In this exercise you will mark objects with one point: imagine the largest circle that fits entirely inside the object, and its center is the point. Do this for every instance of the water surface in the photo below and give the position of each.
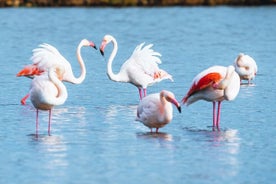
(94, 137)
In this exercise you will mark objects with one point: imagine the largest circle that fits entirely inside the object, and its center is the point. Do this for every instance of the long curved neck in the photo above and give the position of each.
(81, 78)
(225, 82)
(62, 91)
(111, 75)
(166, 112)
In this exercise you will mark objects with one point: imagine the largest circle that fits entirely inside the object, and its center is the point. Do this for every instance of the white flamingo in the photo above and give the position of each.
(47, 91)
(246, 67)
(47, 56)
(155, 110)
(141, 69)
(214, 84)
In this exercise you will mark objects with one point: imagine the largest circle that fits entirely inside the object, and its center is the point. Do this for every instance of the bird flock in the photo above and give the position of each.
(49, 69)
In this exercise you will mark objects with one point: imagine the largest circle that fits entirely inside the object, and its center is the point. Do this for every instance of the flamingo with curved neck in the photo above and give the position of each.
(155, 110)
(246, 67)
(47, 56)
(48, 91)
(141, 69)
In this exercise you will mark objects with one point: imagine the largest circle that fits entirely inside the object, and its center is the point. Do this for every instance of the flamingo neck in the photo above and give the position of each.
(111, 75)
(225, 82)
(62, 91)
(81, 78)
(165, 108)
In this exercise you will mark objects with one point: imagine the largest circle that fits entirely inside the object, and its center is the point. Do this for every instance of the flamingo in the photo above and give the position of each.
(214, 84)
(246, 67)
(141, 69)
(47, 91)
(156, 111)
(46, 56)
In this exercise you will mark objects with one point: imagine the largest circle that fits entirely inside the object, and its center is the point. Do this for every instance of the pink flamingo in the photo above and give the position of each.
(155, 110)
(141, 69)
(46, 91)
(246, 67)
(47, 56)
(214, 84)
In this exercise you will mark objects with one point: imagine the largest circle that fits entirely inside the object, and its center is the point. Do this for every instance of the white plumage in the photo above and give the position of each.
(155, 110)
(141, 68)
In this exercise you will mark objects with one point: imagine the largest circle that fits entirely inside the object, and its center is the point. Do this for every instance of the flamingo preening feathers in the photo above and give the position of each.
(155, 110)
(46, 56)
(246, 67)
(214, 84)
(141, 69)
(47, 91)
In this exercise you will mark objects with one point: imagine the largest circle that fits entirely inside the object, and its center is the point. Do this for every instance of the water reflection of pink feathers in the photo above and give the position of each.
(46, 56)
(141, 69)
(155, 110)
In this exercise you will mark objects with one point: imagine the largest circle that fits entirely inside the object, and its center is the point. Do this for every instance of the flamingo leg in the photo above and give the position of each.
(49, 123)
(145, 91)
(23, 100)
(140, 93)
(214, 115)
(36, 125)
(218, 115)
(157, 130)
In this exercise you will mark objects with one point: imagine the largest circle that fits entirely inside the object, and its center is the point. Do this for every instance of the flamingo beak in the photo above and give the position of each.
(93, 45)
(179, 109)
(102, 52)
(102, 47)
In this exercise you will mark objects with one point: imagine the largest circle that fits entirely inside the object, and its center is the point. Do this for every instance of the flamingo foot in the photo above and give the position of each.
(23, 100)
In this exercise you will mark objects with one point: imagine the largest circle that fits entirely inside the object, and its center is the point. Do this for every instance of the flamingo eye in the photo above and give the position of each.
(247, 68)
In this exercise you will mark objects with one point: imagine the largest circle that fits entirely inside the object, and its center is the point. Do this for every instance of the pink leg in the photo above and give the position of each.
(49, 123)
(36, 125)
(145, 92)
(23, 100)
(218, 114)
(140, 93)
(214, 115)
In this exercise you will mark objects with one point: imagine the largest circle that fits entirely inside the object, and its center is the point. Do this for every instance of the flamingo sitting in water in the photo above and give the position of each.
(141, 69)
(155, 110)
(246, 67)
(214, 84)
(47, 56)
(46, 91)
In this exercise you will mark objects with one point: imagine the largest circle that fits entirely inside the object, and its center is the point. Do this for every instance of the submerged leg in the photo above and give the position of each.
(49, 123)
(214, 115)
(23, 100)
(157, 130)
(218, 114)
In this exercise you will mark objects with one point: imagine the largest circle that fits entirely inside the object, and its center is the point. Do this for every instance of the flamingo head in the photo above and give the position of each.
(106, 40)
(88, 43)
(169, 96)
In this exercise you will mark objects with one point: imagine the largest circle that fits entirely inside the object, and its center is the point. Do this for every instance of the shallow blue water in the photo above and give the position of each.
(94, 136)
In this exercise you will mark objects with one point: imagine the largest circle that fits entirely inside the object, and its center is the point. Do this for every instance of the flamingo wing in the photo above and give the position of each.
(202, 82)
(146, 59)
(43, 58)
(148, 109)
(46, 56)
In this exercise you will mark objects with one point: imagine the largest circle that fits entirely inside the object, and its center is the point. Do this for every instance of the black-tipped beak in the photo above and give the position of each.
(102, 52)
(179, 109)
(95, 47)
